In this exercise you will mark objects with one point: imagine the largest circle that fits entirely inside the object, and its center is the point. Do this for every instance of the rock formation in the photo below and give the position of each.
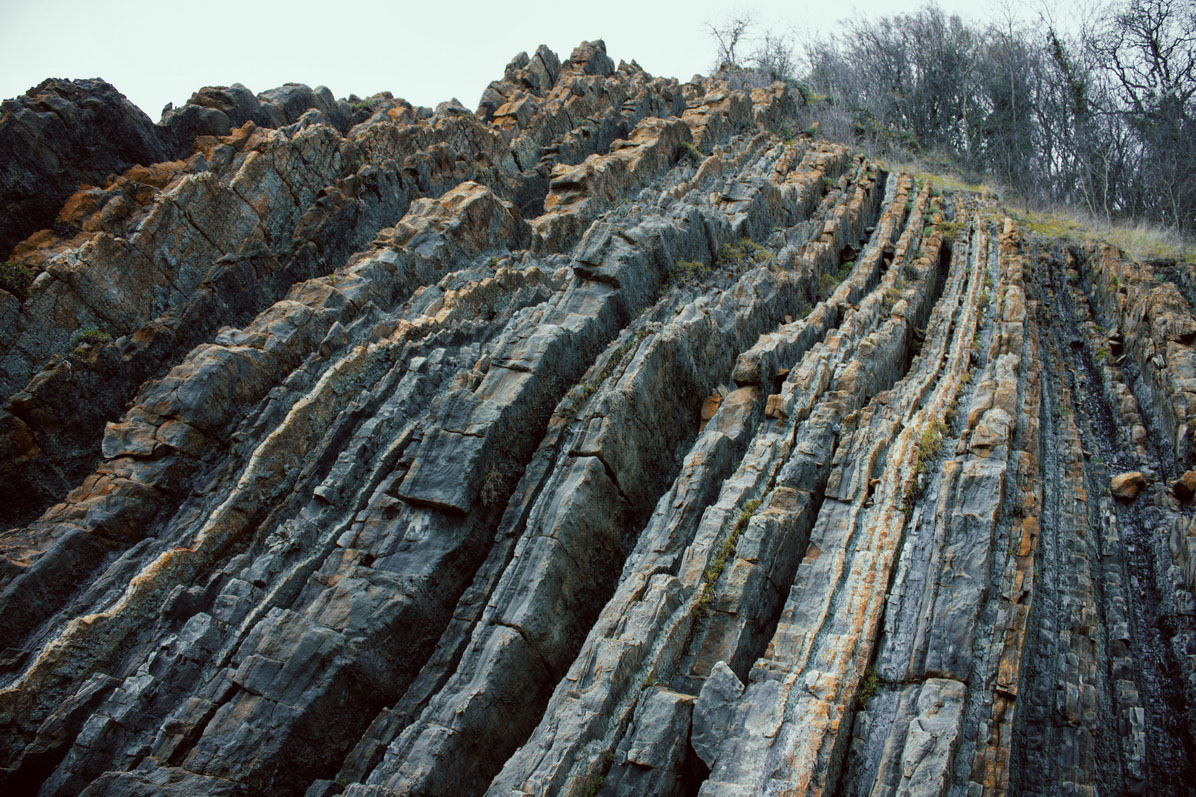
(611, 439)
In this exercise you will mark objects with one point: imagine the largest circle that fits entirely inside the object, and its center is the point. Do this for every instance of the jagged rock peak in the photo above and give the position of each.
(64, 133)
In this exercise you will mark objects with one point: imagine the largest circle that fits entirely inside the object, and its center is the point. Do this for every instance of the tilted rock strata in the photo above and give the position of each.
(62, 133)
(301, 200)
(607, 440)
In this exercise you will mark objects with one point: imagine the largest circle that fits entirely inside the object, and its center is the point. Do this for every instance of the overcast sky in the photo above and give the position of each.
(160, 51)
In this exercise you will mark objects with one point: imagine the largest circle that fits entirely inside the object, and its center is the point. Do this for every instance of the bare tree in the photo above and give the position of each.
(1151, 49)
(729, 35)
(1104, 118)
(774, 58)
(767, 63)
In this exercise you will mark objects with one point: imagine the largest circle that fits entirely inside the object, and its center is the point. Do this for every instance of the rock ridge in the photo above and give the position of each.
(613, 438)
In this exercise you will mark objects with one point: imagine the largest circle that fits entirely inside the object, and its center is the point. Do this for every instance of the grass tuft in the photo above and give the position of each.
(929, 445)
(88, 336)
(723, 555)
(16, 279)
(868, 686)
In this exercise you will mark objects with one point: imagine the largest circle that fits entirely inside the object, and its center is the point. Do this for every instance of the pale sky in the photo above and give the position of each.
(159, 51)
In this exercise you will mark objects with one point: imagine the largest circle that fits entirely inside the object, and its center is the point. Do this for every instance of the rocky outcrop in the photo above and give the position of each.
(60, 134)
(603, 441)
(64, 135)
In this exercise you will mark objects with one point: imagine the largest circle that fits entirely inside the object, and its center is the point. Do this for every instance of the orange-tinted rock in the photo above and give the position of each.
(775, 407)
(710, 406)
(1126, 486)
(1185, 486)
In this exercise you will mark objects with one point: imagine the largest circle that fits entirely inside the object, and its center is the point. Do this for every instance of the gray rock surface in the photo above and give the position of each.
(713, 712)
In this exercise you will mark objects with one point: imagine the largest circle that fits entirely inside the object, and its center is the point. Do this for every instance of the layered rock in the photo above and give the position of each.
(605, 441)
(62, 135)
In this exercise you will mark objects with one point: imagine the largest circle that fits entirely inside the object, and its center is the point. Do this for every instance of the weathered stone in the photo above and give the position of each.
(775, 407)
(931, 739)
(1126, 486)
(59, 134)
(714, 711)
(661, 729)
(1185, 486)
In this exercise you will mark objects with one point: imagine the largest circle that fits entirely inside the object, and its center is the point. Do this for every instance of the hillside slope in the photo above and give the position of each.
(607, 440)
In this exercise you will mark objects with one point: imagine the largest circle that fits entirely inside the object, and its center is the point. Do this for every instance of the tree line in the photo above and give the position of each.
(1102, 117)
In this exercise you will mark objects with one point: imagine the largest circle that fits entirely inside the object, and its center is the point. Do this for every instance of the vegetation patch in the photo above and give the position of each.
(734, 257)
(929, 445)
(947, 182)
(1139, 241)
(950, 230)
(88, 336)
(687, 148)
(724, 553)
(689, 272)
(16, 279)
(787, 131)
(743, 253)
(828, 281)
(826, 284)
(868, 686)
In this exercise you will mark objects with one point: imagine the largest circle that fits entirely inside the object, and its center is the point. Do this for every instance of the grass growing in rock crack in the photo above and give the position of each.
(492, 491)
(892, 296)
(868, 686)
(689, 272)
(743, 253)
(929, 445)
(89, 335)
(982, 302)
(595, 783)
(828, 281)
(826, 284)
(590, 387)
(734, 257)
(950, 230)
(725, 551)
